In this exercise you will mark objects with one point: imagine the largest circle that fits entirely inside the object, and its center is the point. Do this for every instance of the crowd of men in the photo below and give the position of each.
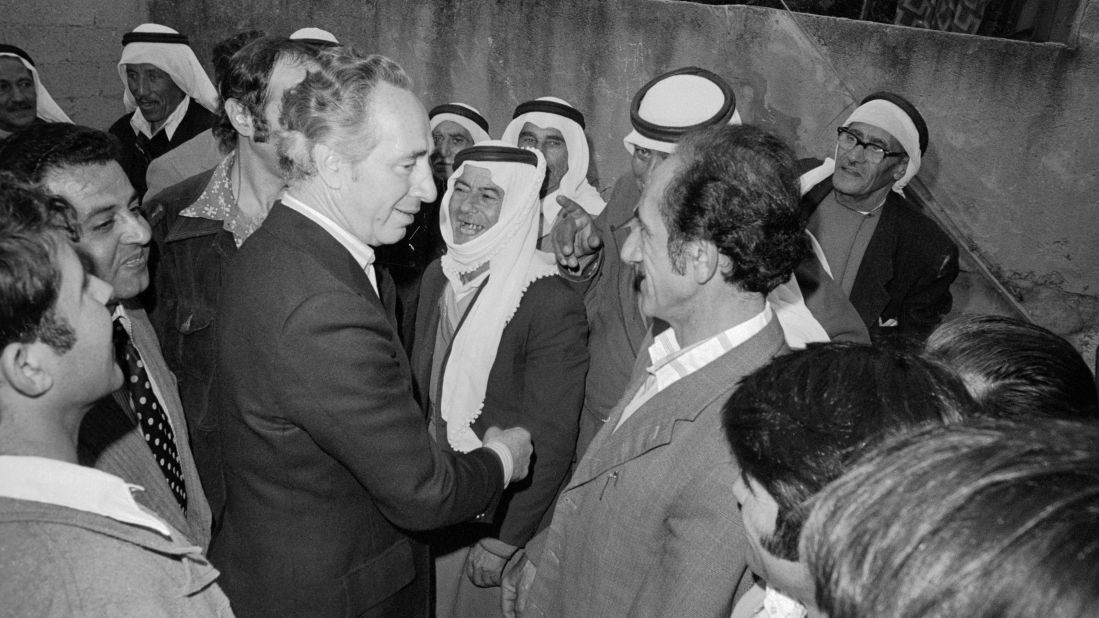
(285, 342)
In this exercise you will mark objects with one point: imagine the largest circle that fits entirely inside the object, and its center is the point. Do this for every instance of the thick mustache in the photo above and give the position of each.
(638, 277)
(19, 106)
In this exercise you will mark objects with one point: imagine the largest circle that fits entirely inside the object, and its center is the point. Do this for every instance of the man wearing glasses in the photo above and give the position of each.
(894, 263)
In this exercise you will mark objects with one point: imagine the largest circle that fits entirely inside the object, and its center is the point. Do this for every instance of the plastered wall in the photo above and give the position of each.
(75, 45)
(1011, 170)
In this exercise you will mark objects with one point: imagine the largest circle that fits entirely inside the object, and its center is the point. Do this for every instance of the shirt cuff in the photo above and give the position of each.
(505, 458)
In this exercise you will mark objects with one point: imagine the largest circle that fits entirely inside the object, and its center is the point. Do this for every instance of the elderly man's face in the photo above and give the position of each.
(114, 236)
(156, 94)
(475, 204)
(18, 98)
(89, 367)
(553, 147)
(663, 291)
(384, 190)
(858, 178)
(450, 138)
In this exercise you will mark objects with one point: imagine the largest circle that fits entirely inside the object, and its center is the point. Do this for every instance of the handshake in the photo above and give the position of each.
(517, 441)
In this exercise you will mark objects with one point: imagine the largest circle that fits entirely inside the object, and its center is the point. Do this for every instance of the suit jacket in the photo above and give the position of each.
(618, 329)
(648, 525)
(905, 274)
(137, 151)
(192, 256)
(327, 456)
(110, 440)
(536, 381)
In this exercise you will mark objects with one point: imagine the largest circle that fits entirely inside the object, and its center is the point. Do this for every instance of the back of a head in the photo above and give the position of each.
(1016, 369)
(799, 422)
(333, 106)
(246, 77)
(29, 277)
(223, 50)
(42, 148)
(738, 187)
(988, 518)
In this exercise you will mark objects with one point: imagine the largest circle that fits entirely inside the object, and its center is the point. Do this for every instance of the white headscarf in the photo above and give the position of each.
(178, 60)
(574, 184)
(48, 109)
(475, 131)
(509, 247)
(892, 119)
(316, 35)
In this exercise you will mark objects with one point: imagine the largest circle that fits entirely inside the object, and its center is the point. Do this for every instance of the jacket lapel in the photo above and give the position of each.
(869, 294)
(652, 424)
(296, 230)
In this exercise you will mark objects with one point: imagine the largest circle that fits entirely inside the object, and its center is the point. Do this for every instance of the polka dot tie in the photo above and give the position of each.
(150, 414)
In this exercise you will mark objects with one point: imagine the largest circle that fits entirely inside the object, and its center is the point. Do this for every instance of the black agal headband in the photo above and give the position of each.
(550, 107)
(496, 154)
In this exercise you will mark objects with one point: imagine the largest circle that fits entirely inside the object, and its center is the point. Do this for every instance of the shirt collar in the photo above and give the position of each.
(216, 203)
(670, 362)
(140, 125)
(49, 481)
(362, 252)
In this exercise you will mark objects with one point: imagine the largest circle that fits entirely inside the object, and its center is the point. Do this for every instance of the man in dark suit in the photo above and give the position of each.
(894, 263)
(648, 525)
(327, 456)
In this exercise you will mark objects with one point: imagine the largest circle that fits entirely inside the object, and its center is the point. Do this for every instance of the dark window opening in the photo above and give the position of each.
(1023, 20)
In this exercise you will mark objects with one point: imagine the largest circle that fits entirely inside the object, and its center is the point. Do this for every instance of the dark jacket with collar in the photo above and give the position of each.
(536, 382)
(138, 152)
(902, 288)
(192, 255)
(327, 456)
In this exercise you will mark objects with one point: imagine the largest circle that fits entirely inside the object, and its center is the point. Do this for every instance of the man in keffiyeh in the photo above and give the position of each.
(168, 96)
(894, 263)
(556, 128)
(23, 98)
(500, 340)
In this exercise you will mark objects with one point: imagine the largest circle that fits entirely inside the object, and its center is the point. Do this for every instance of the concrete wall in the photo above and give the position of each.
(1011, 168)
(75, 45)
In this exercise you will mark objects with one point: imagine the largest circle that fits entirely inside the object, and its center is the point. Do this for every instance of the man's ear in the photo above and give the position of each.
(25, 367)
(703, 260)
(331, 167)
(240, 118)
(901, 169)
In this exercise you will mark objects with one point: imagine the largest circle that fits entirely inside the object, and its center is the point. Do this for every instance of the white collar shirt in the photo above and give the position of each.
(140, 125)
(670, 363)
(50, 481)
(362, 253)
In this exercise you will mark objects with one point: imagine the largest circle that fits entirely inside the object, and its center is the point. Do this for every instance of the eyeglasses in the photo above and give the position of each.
(848, 139)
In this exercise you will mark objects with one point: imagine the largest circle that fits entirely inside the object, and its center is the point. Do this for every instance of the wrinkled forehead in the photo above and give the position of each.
(875, 134)
(11, 66)
(451, 129)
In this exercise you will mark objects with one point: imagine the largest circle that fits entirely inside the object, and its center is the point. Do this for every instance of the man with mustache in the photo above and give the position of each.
(894, 263)
(23, 98)
(169, 99)
(648, 525)
(138, 432)
(75, 540)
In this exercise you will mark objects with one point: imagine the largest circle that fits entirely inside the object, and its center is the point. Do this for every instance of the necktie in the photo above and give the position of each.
(151, 418)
